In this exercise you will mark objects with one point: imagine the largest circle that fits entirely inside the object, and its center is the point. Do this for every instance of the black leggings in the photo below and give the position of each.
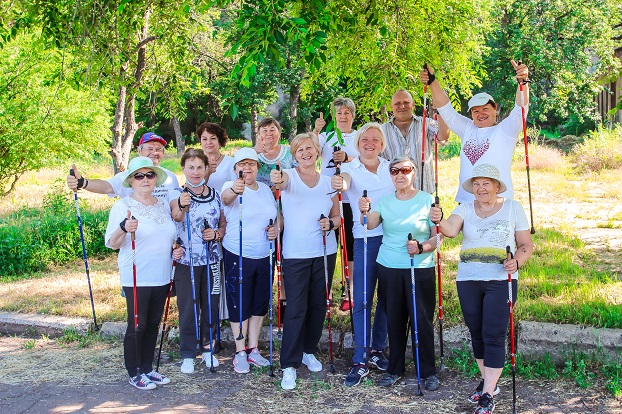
(487, 314)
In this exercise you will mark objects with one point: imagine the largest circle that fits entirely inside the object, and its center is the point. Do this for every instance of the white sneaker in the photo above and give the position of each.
(205, 358)
(311, 362)
(187, 367)
(289, 378)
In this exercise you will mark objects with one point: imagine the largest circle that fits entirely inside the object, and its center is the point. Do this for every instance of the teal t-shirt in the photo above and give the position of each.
(400, 217)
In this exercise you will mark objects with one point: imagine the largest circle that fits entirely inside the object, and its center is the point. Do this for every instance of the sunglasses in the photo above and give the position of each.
(141, 176)
(403, 170)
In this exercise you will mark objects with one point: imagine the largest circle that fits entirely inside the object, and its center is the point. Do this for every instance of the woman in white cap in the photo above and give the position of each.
(149, 218)
(203, 205)
(488, 225)
(256, 209)
(484, 141)
(310, 210)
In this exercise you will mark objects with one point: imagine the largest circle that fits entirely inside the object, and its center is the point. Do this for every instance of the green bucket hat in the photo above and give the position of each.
(144, 162)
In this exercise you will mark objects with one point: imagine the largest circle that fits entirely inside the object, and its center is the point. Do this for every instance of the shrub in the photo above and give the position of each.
(542, 157)
(451, 148)
(601, 150)
(33, 239)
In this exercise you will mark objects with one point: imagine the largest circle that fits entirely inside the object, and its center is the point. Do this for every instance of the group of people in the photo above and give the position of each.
(221, 225)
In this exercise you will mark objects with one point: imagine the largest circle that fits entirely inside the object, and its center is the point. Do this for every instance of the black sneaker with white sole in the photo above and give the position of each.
(476, 395)
(378, 360)
(357, 373)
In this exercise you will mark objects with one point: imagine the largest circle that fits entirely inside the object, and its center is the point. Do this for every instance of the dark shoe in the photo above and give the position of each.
(432, 383)
(357, 373)
(474, 398)
(486, 405)
(387, 380)
(378, 360)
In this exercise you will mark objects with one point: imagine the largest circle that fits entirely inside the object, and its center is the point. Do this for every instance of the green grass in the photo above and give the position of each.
(581, 368)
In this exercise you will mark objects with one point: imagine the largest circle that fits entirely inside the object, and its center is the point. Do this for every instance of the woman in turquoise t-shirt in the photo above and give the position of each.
(406, 211)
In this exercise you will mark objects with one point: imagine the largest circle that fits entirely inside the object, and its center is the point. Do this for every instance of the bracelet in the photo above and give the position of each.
(517, 266)
(179, 204)
(331, 225)
(86, 183)
(122, 225)
(346, 159)
(216, 235)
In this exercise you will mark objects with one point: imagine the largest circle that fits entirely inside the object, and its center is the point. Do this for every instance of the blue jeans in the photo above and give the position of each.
(378, 335)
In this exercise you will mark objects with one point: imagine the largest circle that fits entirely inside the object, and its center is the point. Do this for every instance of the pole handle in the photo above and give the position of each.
(508, 251)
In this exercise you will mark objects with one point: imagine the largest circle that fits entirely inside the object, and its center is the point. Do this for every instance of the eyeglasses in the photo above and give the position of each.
(141, 176)
(247, 164)
(403, 170)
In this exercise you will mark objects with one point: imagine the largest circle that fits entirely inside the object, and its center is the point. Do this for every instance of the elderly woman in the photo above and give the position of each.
(213, 139)
(488, 225)
(148, 219)
(270, 151)
(252, 203)
(405, 211)
(367, 172)
(484, 141)
(202, 205)
(344, 118)
(307, 195)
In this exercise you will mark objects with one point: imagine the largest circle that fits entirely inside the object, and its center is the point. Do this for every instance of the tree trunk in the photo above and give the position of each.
(124, 127)
(117, 127)
(179, 138)
(294, 98)
(308, 125)
(254, 124)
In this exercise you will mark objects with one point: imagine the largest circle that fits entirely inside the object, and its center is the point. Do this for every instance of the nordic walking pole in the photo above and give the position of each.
(279, 209)
(415, 325)
(133, 238)
(438, 256)
(209, 300)
(168, 302)
(365, 282)
(508, 250)
(194, 293)
(423, 129)
(328, 317)
(344, 255)
(240, 336)
(526, 142)
(271, 371)
(84, 257)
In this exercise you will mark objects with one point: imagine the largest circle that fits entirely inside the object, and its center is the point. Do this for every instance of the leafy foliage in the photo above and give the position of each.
(43, 120)
(567, 44)
(33, 239)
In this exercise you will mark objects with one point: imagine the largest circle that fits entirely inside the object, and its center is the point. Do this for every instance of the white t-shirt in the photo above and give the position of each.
(154, 242)
(483, 247)
(224, 172)
(492, 145)
(377, 186)
(208, 209)
(327, 144)
(258, 207)
(302, 208)
(161, 191)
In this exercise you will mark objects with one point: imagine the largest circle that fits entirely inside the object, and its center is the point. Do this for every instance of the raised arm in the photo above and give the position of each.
(522, 76)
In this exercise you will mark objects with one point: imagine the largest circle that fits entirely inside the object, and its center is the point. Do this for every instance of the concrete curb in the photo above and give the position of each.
(535, 339)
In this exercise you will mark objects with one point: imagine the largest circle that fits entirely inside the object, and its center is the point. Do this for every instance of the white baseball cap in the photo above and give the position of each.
(245, 153)
(479, 99)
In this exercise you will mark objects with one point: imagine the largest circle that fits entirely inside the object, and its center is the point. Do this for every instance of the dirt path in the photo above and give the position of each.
(65, 379)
